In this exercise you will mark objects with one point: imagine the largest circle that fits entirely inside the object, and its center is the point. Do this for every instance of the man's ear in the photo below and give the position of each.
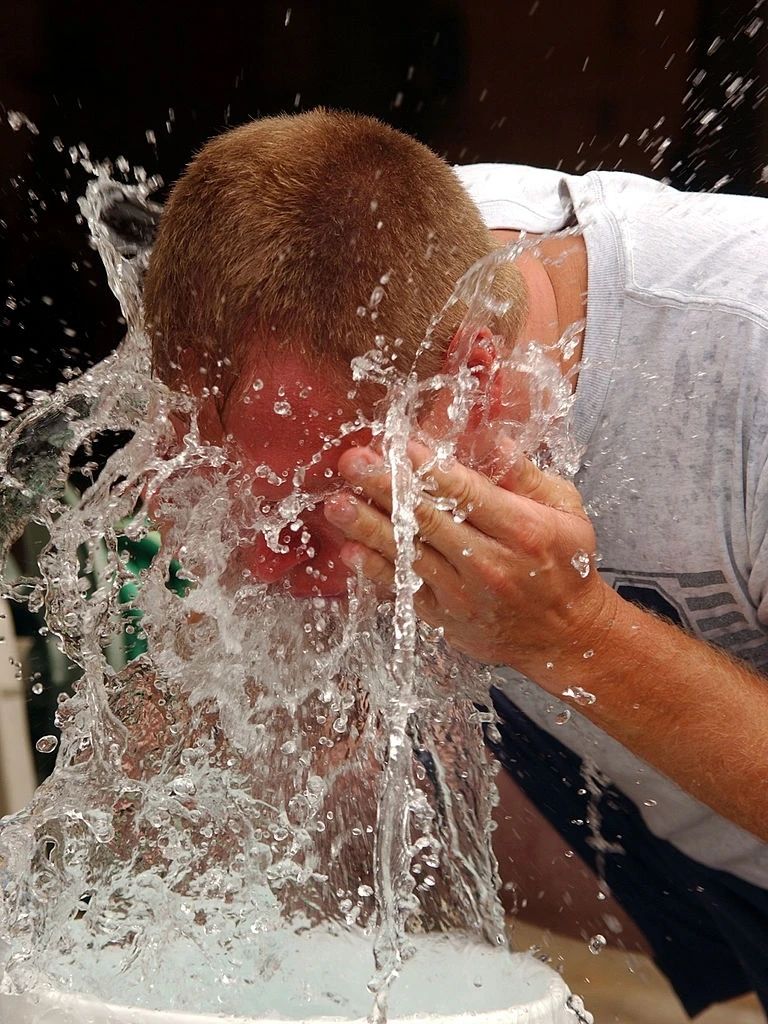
(471, 350)
(479, 353)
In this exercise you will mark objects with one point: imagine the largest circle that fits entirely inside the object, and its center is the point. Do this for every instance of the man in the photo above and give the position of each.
(296, 244)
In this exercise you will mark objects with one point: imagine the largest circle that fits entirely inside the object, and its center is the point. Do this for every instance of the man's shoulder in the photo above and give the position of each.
(661, 245)
(676, 248)
(692, 248)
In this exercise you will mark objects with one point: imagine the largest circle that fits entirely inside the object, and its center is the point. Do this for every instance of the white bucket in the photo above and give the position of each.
(540, 997)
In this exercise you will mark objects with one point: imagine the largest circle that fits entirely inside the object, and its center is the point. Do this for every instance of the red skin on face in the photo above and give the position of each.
(261, 436)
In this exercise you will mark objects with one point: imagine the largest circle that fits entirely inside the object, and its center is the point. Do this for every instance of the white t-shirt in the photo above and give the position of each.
(672, 408)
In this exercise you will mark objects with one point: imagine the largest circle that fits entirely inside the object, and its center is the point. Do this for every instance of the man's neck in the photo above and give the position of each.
(556, 279)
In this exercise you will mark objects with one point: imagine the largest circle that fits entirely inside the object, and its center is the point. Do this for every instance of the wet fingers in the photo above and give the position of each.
(370, 563)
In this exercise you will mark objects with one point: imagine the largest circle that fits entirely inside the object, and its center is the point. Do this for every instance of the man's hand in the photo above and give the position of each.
(505, 583)
(508, 573)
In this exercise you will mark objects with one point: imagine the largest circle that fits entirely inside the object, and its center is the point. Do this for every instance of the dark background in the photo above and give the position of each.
(676, 92)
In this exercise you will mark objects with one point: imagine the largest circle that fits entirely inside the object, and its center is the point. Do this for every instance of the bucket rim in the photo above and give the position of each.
(550, 1008)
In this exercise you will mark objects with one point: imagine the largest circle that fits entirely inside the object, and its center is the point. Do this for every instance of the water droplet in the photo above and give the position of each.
(17, 121)
(563, 718)
(37, 688)
(364, 890)
(650, 803)
(581, 563)
(282, 408)
(754, 26)
(597, 944)
(588, 654)
(183, 786)
(580, 695)
(46, 744)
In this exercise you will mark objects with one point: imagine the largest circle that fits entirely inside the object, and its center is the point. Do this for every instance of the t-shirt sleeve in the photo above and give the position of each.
(517, 197)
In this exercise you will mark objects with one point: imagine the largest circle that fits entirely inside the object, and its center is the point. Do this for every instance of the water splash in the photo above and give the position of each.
(267, 768)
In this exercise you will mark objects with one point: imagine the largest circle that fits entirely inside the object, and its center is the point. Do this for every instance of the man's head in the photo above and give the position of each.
(292, 245)
(280, 233)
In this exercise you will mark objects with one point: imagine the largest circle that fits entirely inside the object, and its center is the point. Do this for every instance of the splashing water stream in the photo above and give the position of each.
(269, 769)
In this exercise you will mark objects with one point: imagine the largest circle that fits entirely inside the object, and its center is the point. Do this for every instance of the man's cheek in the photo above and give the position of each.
(326, 539)
(269, 566)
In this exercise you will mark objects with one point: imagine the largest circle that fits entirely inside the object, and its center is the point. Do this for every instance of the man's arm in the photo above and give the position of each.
(686, 708)
(514, 584)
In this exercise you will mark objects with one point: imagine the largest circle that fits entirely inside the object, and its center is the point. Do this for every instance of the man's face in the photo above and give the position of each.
(287, 417)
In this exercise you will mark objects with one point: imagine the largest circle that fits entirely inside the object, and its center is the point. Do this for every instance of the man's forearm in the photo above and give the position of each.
(684, 707)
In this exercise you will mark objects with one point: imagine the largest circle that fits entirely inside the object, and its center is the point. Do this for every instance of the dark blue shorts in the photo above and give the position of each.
(708, 929)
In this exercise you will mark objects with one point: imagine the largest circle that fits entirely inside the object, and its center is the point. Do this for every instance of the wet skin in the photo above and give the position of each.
(287, 443)
(509, 563)
(501, 583)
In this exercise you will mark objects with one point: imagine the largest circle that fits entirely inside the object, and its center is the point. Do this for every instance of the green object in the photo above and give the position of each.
(141, 554)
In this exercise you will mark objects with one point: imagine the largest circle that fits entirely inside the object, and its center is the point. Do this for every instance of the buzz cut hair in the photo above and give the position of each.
(278, 235)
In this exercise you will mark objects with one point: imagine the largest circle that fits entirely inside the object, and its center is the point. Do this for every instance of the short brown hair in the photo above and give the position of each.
(279, 232)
